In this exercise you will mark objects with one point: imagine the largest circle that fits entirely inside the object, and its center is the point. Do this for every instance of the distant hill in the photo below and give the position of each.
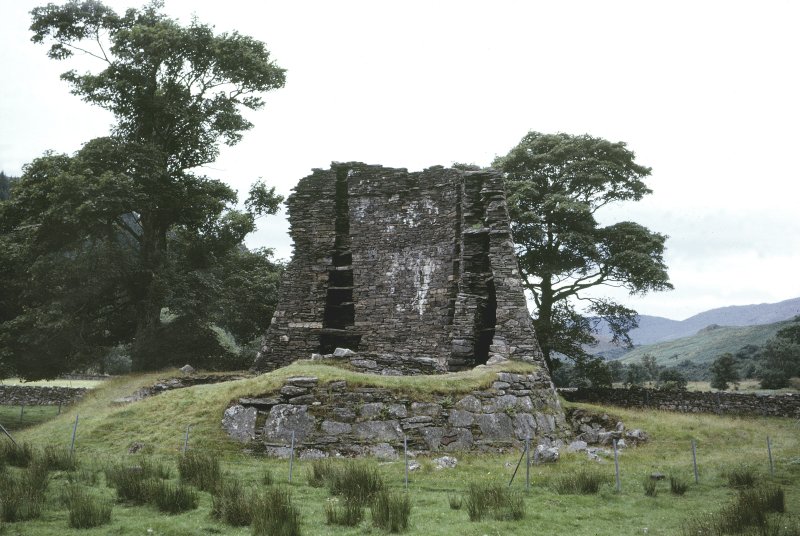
(655, 329)
(705, 345)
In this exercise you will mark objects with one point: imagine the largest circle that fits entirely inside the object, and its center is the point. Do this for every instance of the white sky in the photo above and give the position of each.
(706, 93)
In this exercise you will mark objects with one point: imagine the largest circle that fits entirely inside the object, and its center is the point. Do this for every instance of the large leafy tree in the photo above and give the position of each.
(176, 93)
(555, 184)
(780, 357)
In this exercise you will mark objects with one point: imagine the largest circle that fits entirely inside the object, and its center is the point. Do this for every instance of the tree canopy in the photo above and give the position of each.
(100, 243)
(555, 185)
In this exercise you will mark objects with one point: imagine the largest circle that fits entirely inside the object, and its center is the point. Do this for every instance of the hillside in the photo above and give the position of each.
(705, 345)
(656, 329)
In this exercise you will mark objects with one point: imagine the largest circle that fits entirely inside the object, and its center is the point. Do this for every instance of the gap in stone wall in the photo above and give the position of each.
(339, 317)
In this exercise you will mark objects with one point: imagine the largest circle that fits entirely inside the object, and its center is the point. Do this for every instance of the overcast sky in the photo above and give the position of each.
(706, 93)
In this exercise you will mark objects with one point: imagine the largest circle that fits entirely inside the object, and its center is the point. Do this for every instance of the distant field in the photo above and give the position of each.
(16, 418)
(86, 384)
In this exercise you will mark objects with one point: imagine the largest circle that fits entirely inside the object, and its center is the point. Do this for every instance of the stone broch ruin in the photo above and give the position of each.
(415, 271)
(400, 274)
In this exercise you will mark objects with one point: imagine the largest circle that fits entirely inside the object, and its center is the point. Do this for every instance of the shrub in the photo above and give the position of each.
(390, 511)
(583, 482)
(677, 486)
(171, 498)
(201, 470)
(650, 487)
(356, 482)
(321, 473)
(348, 514)
(275, 515)
(16, 455)
(231, 504)
(456, 501)
(742, 477)
(493, 500)
(85, 510)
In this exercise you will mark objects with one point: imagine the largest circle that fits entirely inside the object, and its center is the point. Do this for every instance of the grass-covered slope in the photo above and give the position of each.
(160, 421)
(706, 345)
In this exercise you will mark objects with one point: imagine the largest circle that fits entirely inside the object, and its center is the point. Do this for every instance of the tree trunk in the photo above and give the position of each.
(151, 293)
(544, 324)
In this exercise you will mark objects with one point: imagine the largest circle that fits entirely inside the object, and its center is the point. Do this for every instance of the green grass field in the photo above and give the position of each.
(105, 432)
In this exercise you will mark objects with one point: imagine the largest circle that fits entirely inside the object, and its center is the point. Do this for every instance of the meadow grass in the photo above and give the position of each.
(106, 430)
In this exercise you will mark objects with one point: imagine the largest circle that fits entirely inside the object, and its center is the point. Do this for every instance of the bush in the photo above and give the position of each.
(677, 486)
(171, 498)
(390, 511)
(742, 477)
(348, 514)
(275, 515)
(356, 482)
(583, 482)
(231, 504)
(201, 470)
(85, 510)
(650, 487)
(493, 500)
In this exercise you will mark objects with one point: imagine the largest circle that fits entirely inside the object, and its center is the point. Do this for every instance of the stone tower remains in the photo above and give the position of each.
(415, 272)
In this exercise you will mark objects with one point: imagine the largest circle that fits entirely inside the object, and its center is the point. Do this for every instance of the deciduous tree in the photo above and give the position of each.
(555, 184)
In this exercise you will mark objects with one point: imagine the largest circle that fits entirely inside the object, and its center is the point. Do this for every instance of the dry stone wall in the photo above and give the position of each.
(401, 266)
(779, 405)
(338, 419)
(23, 395)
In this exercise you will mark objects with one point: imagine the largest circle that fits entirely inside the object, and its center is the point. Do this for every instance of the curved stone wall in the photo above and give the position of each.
(336, 418)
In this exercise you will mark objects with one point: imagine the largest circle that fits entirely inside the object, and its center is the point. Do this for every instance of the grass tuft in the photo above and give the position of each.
(356, 482)
(16, 455)
(231, 504)
(85, 510)
(346, 514)
(130, 483)
(58, 459)
(455, 501)
(743, 476)
(390, 511)
(22, 497)
(495, 501)
(171, 498)
(275, 515)
(650, 487)
(581, 482)
(200, 469)
(677, 486)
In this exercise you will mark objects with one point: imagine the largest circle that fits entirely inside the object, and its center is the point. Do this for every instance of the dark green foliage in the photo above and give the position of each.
(275, 515)
(171, 498)
(356, 482)
(5, 186)
(346, 514)
(677, 486)
(493, 500)
(390, 511)
(232, 504)
(581, 482)
(555, 184)
(85, 509)
(650, 487)
(93, 247)
(22, 496)
(742, 477)
(200, 469)
(780, 357)
(19, 455)
(746, 515)
(670, 379)
(724, 372)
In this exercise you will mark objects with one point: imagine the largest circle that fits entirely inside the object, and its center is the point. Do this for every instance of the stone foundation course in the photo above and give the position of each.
(339, 419)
